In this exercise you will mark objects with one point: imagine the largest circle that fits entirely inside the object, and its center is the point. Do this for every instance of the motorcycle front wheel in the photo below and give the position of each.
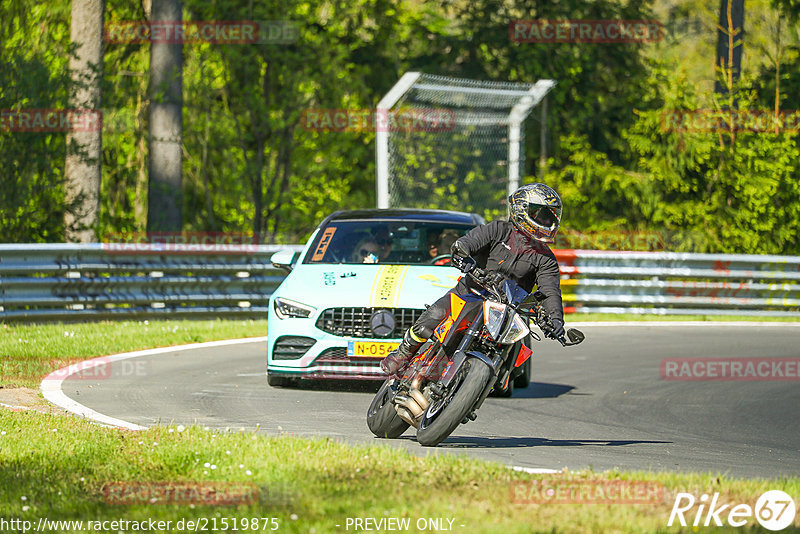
(444, 415)
(382, 419)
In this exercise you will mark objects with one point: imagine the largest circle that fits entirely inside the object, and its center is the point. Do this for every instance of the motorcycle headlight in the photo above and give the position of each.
(517, 329)
(285, 308)
(493, 313)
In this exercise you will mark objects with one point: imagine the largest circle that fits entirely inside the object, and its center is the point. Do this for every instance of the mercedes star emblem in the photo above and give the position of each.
(382, 323)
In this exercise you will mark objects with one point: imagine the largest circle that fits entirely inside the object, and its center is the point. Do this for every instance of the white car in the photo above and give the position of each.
(362, 279)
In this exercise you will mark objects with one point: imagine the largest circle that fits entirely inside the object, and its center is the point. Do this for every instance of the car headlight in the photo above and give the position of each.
(285, 308)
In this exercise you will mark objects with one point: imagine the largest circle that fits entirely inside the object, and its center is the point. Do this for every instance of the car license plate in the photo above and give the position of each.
(370, 349)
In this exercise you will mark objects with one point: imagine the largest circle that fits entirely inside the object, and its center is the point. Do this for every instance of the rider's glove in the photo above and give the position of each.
(464, 264)
(558, 329)
(496, 278)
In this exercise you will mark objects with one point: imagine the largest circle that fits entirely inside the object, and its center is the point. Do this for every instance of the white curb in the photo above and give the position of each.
(535, 470)
(51, 385)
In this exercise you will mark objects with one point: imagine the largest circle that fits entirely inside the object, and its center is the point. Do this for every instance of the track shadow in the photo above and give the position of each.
(542, 390)
(536, 390)
(474, 442)
(349, 386)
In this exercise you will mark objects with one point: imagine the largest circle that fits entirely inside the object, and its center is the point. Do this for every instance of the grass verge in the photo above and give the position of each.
(618, 317)
(58, 467)
(29, 352)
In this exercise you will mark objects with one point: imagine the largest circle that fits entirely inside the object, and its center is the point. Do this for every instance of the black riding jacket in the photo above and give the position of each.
(499, 246)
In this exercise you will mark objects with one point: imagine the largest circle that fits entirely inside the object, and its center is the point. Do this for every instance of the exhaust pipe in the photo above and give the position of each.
(409, 409)
(409, 404)
(420, 398)
(406, 416)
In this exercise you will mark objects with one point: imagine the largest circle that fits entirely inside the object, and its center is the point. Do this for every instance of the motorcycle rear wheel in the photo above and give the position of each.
(443, 416)
(382, 419)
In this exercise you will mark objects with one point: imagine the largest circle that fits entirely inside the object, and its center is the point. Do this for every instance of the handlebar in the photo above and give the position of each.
(489, 280)
(543, 321)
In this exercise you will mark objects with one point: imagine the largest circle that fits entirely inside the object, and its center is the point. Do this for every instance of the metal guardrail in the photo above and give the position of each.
(668, 283)
(94, 281)
(102, 280)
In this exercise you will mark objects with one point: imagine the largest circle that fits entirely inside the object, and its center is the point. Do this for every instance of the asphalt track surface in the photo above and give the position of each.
(602, 404)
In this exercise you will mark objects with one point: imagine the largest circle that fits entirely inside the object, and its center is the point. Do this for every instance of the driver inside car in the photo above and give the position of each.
(517, 249)
(366, 250)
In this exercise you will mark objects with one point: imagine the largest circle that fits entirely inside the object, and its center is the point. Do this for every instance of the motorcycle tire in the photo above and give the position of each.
(438, 421)
(524, 379)
(382, 419)
(503, 393)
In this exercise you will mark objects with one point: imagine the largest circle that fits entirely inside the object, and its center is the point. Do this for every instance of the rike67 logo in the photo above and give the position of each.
(774, 510)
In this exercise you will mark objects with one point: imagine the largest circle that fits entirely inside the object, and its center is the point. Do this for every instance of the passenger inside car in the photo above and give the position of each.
(439, 245)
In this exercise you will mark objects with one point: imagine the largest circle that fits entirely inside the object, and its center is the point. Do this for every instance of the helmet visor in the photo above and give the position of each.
(545, 216)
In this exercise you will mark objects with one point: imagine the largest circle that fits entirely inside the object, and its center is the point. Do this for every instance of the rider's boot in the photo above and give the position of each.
(398, 359)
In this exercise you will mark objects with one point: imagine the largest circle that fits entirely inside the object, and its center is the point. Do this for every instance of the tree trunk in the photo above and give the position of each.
(730, 40)
(82, 165)
(165, 198)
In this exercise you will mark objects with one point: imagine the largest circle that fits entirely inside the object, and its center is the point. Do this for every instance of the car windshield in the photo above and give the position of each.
(385, 242)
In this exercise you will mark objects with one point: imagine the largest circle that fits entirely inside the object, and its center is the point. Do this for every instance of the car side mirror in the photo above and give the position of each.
(283, 259)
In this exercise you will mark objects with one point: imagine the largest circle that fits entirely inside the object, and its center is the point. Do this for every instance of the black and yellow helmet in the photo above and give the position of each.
(535, 209)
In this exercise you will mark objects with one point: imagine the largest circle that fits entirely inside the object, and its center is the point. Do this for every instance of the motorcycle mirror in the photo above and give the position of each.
(575, 336)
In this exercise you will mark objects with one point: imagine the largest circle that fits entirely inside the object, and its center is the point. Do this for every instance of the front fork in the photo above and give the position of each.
(461, 355)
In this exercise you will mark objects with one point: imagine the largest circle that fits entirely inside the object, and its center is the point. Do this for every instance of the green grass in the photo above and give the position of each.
(580, 317)
(56, 466)
(59, 465)
(29, 352)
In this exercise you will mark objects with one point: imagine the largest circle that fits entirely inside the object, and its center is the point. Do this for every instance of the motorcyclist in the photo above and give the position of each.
(516, 248)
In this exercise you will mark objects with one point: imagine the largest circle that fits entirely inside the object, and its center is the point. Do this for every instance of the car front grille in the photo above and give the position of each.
(355, 322)
(335, 361)
(291, 347)
(333, 355)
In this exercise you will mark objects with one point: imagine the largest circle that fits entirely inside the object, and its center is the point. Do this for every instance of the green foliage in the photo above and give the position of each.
(252, 165)
(791, 8)
(598, 84)
(700, 188)
(720, 189)
(34, 47)
(284, 175)
(123, 208)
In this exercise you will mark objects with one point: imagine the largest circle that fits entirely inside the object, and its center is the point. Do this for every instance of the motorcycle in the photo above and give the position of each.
(476, 348)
